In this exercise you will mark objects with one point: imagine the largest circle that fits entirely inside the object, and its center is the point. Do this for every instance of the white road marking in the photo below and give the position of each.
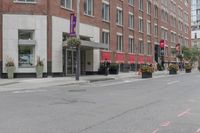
(165, 124)
(127, 81)
(155, 131)
(198, 130)
(27, 91)
(173, 82)
(184, 113)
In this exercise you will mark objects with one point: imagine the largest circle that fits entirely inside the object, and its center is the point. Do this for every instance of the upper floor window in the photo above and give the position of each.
(131, 20)
(156, 11)
(148, 28)
(149, 48)
(131, 2)
(141, 5)
(140, 25)
(119, 18)
(105, 11)
(156, 30)
(149, 7)
(119, 43)
(105, 37)
(130, 45)
(88, 7)
(141, 47)
(26, 1)
(66, 3)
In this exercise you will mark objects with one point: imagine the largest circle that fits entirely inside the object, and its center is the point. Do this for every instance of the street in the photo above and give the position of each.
(168, 104)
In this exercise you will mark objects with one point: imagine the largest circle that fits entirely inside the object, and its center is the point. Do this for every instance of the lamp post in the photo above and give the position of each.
(78, 47)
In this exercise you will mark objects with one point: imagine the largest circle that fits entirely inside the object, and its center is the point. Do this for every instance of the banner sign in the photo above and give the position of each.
(72, 25)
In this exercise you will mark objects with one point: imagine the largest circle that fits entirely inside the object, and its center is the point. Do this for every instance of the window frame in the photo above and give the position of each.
(87, 9)
(105, 15)
(119, 42)
(25, 1)
(119, 16)
(65, 6)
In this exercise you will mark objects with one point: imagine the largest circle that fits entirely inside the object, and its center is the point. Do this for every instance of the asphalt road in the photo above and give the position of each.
(159, 105)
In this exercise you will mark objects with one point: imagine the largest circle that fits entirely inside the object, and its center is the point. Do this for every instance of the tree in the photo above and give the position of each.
(191, 54)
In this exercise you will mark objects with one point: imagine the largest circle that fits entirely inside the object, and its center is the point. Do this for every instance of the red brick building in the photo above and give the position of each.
(126, 32)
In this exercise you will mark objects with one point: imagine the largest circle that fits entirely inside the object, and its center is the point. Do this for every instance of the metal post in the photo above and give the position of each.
(78, 47)
(136, 65)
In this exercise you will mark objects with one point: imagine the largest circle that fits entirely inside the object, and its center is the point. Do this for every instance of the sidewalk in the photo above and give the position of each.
(34, 83)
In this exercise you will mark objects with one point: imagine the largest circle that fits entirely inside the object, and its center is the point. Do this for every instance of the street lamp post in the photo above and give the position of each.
(78, 47)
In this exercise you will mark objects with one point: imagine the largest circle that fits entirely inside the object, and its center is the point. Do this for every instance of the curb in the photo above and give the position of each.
(102, 79)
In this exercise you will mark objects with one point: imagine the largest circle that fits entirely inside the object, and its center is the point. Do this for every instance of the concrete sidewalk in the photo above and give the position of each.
(34, 83)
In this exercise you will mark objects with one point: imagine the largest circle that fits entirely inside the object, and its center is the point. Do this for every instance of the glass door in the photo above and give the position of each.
(71, 62)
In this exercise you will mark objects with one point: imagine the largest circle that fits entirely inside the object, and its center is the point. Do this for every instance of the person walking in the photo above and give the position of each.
(106, 67)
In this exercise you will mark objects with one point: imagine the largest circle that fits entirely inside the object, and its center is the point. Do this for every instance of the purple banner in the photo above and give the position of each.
(72, 25)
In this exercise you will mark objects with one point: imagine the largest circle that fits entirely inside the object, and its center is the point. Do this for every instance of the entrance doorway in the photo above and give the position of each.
(70, 62)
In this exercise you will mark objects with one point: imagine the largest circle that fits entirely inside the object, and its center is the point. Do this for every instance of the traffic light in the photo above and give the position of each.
(162, 45)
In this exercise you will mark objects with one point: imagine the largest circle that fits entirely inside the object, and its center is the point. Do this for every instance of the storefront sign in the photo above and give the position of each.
(72, 25)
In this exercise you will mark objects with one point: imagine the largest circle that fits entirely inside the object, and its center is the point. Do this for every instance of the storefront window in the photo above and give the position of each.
(26, 34)
(26, 56)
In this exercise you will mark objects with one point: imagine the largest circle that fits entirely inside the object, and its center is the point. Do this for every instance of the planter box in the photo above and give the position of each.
(10, 72)
(39, 71)
(188, 70)
(172, 72)
(146, 75)
(113, 71)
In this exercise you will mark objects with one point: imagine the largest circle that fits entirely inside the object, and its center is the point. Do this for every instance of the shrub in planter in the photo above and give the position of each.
(73, 42)
(10, 68)
(173, 68)
(114, 69)
(147, 71)
(101, 70)
(39, 68)
(159, 67)
(188, 68)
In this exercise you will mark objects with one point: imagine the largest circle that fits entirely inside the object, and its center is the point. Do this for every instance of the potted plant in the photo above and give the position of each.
(173, 68)
(188, 68)
(146, 71)
(10, 67)
(199, 68)
(73, 42)
(39, 68)
(114, 69)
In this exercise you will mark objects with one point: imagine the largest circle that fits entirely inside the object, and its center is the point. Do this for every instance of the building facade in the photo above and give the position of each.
(126, 32)
(195, 23)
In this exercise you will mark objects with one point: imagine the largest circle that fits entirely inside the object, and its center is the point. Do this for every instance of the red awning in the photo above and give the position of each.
(149, 59)
(105, 55)
(119, 57)
(131, 58)
(141, 59)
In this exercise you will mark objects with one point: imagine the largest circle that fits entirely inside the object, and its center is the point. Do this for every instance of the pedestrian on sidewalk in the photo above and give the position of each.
(106, 66)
